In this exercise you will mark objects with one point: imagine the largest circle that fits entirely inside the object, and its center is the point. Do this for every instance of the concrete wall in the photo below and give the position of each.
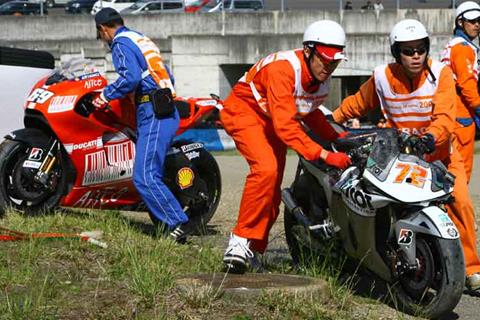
(204, 49)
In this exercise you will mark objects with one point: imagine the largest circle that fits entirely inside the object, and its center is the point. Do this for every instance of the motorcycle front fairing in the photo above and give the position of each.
(102, 154)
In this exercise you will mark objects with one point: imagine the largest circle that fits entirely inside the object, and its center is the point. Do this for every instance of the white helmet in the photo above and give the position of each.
(469, 10)
(407, 30)
(326, 32)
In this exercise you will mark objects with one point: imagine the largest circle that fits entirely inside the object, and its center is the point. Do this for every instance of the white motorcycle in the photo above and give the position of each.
(386, 211)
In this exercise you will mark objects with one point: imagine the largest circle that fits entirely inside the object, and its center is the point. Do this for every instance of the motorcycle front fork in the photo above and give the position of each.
(47, 164)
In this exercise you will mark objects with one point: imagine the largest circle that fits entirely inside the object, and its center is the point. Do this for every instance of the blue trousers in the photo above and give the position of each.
(154, 137)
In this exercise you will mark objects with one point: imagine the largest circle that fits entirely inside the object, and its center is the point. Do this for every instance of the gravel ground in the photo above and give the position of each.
(234, 170)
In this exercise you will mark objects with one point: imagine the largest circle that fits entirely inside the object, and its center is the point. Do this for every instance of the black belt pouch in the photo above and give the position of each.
(162, 101)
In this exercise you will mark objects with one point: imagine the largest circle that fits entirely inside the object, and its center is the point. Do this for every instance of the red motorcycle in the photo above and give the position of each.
(71, 155)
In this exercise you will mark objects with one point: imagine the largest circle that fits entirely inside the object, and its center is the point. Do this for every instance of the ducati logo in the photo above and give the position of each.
(185, 177)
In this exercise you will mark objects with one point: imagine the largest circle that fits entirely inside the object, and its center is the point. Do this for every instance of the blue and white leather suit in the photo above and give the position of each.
(154, 135)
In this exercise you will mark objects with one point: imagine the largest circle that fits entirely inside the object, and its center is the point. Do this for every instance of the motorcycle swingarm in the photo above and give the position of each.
(431, 221)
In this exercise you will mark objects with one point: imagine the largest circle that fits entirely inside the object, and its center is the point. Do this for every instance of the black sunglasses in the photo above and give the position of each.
(411, 51)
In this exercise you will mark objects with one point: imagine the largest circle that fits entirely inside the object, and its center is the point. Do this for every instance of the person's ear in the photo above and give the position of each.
(306, 51)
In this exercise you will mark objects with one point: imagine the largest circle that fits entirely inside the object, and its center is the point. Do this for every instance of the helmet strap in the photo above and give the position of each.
(309, 59)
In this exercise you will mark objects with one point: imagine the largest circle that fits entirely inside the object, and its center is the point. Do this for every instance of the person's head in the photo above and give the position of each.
(410, 45)
(323, 44)
(467, 18)
(107, 21)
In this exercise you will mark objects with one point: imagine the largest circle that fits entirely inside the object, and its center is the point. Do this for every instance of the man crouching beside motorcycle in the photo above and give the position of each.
(142, 74)
(417, 95)
(262, 114)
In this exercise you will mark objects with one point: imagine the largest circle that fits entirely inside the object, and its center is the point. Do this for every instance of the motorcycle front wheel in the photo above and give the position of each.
(436, 286)
(305, 248)
(18, 190)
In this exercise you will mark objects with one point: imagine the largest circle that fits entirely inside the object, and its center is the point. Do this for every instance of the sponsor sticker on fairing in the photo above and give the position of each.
(97, 143)
(89, 75)
(93, 83)
(405, 237)
(206, 103)
(112, 163)
(39, 95)
(62, 104)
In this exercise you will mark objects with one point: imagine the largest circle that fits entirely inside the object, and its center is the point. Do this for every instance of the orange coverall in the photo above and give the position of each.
(462, 59)
(262, 138)
(441, 127)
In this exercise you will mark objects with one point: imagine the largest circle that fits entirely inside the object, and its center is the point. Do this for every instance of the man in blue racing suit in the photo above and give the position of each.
(140, 70)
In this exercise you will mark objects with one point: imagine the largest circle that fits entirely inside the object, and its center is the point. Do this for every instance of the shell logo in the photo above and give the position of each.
(185, 177)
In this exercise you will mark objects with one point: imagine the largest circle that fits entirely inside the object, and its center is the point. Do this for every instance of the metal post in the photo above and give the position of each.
(340, 4)
(453, 4)
(282, 6)
(41, 7)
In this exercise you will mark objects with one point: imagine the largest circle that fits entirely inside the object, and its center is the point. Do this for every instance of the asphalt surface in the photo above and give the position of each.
(234, 170)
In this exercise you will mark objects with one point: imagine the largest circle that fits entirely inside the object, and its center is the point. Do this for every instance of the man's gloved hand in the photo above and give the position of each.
(336, 159)
(100, 102)
(423, 144)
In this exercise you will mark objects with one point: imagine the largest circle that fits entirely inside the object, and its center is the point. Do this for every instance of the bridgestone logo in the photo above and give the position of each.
(118, 167)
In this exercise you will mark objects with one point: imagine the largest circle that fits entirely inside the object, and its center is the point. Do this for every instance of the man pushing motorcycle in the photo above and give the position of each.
(264, 115)
(417, 95)
(143, 76)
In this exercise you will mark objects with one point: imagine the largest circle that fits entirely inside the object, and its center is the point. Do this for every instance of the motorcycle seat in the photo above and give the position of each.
(183, 108)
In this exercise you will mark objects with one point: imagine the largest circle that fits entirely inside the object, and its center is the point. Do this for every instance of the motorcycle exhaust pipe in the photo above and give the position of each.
(294, 208)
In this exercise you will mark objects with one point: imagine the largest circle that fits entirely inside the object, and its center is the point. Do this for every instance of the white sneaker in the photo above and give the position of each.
(473, 282)
(237, 254)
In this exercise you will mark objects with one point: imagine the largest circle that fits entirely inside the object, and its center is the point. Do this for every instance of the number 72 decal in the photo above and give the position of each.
(412, 174)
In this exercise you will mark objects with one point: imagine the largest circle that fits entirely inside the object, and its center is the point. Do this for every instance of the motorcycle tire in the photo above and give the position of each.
(209, 173)
(13, 182)
(436, 288)
(208, 170)
(305, 249)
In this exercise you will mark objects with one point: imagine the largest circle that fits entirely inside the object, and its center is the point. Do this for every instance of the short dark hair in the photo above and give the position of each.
(114, 23)
(108, 17)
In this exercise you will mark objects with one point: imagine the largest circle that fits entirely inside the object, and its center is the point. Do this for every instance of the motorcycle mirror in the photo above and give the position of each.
(214, 96)
(85, 107)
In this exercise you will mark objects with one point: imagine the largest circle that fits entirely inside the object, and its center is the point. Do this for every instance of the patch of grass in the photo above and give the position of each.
(134, 278)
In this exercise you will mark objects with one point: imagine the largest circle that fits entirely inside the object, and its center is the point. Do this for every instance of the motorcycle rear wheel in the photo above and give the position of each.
(209, 172)
(436, 287)
(14, 183)
(209, 177)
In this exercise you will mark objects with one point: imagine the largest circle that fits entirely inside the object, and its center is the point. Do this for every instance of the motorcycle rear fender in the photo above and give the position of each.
(29, 136)
(431, 221)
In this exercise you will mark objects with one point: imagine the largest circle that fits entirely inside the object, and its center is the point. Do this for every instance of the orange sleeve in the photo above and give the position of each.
(318, 123)
(444, 108)
(359, 104)
(278, 79)
(462, 63)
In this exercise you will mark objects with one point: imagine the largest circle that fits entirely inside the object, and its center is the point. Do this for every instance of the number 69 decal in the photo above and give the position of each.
(412, 174)
(40, 96)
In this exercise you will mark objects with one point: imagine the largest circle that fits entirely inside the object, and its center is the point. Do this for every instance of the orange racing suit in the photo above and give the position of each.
(262, 114)
(461, 55)
(421, 106)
